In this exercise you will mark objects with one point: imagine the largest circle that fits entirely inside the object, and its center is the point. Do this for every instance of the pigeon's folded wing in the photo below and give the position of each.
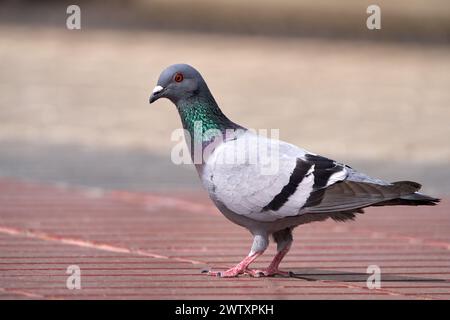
(266, 179)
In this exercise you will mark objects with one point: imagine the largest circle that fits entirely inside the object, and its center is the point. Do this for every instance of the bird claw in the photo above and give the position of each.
(234, 272)
(268, 273)
(230, 273)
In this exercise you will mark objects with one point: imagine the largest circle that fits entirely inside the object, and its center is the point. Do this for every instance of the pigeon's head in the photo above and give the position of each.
(176, 82)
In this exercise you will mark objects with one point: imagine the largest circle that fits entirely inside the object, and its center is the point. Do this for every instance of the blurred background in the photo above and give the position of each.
(74, 103)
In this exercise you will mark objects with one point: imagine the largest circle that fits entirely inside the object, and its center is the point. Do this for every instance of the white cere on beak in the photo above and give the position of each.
(157, 89)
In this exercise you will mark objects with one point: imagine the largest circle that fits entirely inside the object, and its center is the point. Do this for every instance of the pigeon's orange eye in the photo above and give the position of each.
(178, 77)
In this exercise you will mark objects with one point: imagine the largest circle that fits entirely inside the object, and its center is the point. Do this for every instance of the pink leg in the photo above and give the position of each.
(272, 269)
(240, 268)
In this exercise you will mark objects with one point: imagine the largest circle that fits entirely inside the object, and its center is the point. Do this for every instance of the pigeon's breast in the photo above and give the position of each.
(246, 174)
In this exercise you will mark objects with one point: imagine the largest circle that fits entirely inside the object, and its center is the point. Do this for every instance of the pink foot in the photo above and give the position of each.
(240, 268)
(230, 273)
(268, 272)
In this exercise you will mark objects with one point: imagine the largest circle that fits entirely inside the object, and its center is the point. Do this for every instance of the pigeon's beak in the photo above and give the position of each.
(156, 94)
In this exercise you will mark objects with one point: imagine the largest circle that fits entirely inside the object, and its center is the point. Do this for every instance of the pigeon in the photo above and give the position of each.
(269, 193)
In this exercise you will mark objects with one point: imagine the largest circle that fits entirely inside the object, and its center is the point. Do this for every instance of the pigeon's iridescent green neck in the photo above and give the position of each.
(203, 112)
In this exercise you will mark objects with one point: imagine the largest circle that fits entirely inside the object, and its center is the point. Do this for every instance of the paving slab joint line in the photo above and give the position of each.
(164, 201)
(88, 244)
(386, 291)
(141, 198)
(22, 293)
(124, 196)
(411, 239)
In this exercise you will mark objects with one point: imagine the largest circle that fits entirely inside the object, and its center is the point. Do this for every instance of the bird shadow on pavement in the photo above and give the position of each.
(332, 275)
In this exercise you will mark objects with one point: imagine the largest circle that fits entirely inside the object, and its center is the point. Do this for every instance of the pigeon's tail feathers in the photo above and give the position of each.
(413, 199)
(349, 196)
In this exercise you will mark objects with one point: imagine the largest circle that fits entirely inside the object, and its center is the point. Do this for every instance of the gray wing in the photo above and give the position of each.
(266, 195)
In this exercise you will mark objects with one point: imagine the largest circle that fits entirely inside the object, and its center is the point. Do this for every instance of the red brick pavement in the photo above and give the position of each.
(153, 246)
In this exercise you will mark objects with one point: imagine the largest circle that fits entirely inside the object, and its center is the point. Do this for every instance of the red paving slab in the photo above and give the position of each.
(153, 246)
